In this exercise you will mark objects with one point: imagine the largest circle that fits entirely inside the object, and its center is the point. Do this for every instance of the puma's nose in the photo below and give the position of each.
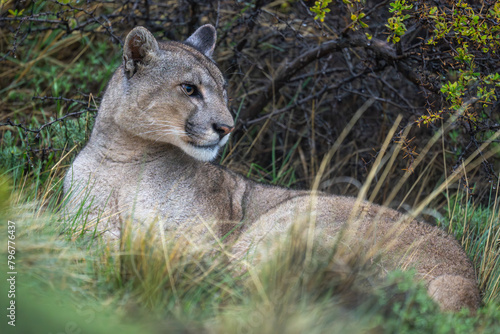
(223, 129)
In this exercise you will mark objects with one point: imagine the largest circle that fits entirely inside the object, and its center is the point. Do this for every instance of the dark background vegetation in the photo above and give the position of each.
(295, 82)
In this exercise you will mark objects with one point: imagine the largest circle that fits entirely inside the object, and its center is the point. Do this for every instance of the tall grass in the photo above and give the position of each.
(155, 282)
(478, 229)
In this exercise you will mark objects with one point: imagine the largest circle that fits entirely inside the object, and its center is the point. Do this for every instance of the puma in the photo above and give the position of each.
(164, 117)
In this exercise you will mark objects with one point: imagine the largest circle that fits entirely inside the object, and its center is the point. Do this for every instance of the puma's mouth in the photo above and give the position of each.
(206, 151)
(212, 145)
(205, 147)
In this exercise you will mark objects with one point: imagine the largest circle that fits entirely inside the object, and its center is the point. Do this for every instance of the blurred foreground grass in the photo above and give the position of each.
(76, 284)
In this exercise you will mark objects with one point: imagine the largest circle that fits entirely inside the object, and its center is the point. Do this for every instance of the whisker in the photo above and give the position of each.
(159, 138)
(149, 107)
(166, 123)
(162, 122)
(157, 130)
(165, 127)
(165, 132)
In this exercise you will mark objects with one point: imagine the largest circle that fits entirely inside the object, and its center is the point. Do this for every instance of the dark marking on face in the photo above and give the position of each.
(208, 65)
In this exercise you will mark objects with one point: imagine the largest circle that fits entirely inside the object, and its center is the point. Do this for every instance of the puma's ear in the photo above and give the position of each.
(140, 44)
(203, 39)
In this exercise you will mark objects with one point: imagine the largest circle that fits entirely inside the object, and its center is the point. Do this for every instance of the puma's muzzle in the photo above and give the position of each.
(223, 129)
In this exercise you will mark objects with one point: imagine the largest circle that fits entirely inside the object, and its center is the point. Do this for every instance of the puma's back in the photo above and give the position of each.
(164, 117)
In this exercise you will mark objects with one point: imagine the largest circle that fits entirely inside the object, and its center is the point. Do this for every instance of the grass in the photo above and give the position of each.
(155, 282)
(478, 229)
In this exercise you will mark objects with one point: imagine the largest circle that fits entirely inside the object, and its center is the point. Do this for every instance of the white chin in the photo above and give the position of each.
(204, 153)
(199, 153)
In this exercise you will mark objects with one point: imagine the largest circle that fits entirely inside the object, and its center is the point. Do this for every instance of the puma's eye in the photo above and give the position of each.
(189, 89)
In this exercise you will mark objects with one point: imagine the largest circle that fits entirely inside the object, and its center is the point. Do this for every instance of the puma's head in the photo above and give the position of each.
(173, 93)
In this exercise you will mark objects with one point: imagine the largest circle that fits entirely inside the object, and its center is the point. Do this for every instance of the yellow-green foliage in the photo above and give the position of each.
(395, 23)
(320, 8)
(468, 31)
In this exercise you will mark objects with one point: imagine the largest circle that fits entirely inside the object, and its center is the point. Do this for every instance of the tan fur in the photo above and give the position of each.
(148, 158)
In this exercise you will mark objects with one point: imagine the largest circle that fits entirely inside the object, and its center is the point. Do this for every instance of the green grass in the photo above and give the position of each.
(76, 67)
(152, 282)
(478, 229)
